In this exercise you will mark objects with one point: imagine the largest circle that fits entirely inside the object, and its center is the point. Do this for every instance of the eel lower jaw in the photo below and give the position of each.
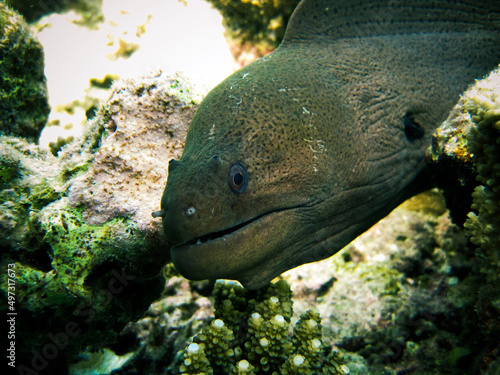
(219, 235)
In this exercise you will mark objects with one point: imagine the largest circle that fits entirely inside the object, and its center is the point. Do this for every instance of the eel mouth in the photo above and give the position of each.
(240, 252)
(219, 234)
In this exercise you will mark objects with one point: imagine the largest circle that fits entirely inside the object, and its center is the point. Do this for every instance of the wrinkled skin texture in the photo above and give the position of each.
(332, 132)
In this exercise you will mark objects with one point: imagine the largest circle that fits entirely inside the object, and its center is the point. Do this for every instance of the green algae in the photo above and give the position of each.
(9, 168)
(60, 142)
(18, 202)
(41, 221)
(42, 195)
(76, 249)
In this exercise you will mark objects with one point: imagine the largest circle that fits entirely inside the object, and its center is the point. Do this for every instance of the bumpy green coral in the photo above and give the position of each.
(215, 342)
(305, 338)
(24, 106)
(268, 342)
(243, 367)
(256, 339)
(483, 223)
(195, 361)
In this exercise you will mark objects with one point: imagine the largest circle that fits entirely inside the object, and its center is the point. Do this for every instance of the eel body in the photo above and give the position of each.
(292, 157)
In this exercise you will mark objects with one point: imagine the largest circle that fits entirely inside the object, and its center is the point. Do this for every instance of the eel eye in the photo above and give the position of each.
(237, 178)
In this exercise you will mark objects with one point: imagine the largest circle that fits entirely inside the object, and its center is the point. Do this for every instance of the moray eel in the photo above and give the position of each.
(292, 157)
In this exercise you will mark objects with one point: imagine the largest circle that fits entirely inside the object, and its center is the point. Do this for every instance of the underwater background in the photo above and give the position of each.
(86, 283)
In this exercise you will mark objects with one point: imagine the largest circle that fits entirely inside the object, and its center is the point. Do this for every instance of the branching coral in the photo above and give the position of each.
(251, 335)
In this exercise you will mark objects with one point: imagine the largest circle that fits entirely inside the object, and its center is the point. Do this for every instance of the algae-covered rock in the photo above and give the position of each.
(465, 147)
(146, 123)
(482, 102)
(470, 140)
(483, 222)
(166, 327)
(254, 27)
(77, 230)
(29, 178)
(90, 10)
(24, 107)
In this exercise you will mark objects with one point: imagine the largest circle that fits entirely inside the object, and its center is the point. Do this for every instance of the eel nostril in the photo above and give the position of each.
(160, 213)
(172, 164)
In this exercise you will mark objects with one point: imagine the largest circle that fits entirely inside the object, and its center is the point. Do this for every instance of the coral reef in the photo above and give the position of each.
(77, 227)
(403, 296)
(465, 146)
(24, 107)
(256, 338)
(254, 27)
(411, 295)
(66, 272)
(469, 141)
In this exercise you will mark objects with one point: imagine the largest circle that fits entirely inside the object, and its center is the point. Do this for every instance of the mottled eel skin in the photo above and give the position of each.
(292, 157)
